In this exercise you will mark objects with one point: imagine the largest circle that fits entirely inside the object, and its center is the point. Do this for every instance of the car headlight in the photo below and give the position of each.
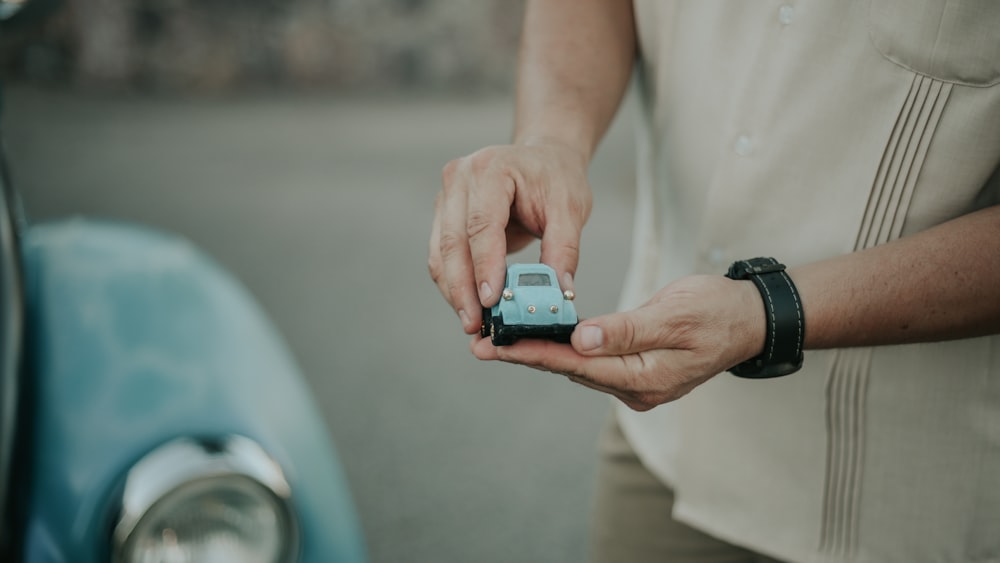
(192, 501)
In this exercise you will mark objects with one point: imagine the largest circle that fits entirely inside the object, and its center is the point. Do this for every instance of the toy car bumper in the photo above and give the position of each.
(501, 334)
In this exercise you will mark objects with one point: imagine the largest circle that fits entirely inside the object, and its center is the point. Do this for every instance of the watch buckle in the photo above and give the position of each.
(761, 269)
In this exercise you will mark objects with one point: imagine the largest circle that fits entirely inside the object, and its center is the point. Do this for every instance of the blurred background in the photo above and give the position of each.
(300, 143)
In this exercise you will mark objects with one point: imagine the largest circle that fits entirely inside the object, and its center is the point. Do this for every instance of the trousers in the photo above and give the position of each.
(631, 520)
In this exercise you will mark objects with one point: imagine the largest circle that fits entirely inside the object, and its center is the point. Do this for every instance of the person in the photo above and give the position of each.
(858, 143)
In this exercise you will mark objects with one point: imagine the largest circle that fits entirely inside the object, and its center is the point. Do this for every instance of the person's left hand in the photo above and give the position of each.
(688, 332)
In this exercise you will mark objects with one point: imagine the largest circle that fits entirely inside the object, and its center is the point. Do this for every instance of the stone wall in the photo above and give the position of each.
(220, 45)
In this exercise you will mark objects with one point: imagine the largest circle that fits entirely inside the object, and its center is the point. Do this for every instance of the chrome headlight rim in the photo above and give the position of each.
(189, 461)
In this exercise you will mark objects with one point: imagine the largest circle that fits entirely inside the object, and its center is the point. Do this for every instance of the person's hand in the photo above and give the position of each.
(689, 331)
(498, 200)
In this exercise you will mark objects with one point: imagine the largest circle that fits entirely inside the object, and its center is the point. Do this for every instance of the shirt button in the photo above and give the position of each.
(744, 145)
(785, 13)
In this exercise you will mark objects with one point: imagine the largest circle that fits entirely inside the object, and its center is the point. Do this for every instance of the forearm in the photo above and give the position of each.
(575, 62)
(940, 284)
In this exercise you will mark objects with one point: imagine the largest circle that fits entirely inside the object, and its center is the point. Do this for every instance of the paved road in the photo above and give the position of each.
(323, 208)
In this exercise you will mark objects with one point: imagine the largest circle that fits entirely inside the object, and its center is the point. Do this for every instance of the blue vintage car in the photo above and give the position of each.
(531, 306)
(149, 412)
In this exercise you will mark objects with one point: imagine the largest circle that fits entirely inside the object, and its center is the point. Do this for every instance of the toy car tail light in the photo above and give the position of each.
(191, 501)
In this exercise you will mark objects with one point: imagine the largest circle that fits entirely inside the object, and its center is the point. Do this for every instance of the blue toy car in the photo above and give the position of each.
(531, 306)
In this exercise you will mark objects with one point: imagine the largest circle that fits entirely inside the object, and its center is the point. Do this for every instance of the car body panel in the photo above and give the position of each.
(136, 338)
(542, 297)
(531, 306)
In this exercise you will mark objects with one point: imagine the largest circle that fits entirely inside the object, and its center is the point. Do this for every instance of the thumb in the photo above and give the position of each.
(620, 334)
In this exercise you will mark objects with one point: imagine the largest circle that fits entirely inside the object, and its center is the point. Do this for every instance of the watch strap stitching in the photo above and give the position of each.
(798, 312)
(770, 312)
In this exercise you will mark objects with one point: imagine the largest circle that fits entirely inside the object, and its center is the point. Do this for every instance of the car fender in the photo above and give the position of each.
(136, 338)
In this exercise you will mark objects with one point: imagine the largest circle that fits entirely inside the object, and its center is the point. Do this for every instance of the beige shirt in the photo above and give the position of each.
(805, 130)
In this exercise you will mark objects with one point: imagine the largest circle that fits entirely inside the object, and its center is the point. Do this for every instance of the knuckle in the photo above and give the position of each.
(647, 399)
(483, 160)
(449, 170)
(630, 333)
(586, 204)
(638, 405)
(481, 265)
(581, 208)
(455, 291)
(634, 376)
(478, 223)
(564, 253)
(571, 247)
(451, 244)
(434, 268)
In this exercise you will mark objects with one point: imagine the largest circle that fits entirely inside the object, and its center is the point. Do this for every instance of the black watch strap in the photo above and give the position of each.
(785, 320)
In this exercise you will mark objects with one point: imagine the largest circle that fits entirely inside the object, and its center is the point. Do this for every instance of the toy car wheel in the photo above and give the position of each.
(562, 338)
(499, 333)
(485, 326)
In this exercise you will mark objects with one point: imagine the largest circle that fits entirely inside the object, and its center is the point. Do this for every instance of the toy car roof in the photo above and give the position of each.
(516, 269)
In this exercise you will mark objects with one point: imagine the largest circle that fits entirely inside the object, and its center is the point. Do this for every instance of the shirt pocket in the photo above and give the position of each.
(955, 41)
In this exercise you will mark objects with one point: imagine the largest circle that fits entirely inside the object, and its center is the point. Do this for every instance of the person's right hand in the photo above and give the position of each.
(495, 201)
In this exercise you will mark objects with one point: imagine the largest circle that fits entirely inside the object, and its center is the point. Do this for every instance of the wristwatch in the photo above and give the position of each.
(785, 320)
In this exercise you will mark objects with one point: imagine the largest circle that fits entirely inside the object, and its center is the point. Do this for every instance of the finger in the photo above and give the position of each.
(434, 264)
(561, 245)
(540, 355)
(626, 377)
(483, 348)
(486, 223)
(456, 262)
(610, 372)
(596, 387)
(629, 401)
(619, 334)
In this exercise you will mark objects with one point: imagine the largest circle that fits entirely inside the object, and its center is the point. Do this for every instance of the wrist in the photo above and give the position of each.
(565, 152)
(577, 139)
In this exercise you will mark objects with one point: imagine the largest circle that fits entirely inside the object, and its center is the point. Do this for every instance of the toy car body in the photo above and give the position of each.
(531, 306)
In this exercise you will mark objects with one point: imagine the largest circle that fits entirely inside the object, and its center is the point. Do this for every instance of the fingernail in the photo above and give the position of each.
(485, 292)
(465, 317)
(591, 337)
(567, 280)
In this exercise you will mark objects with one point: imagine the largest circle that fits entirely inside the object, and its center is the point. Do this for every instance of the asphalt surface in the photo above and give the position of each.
(322, 207)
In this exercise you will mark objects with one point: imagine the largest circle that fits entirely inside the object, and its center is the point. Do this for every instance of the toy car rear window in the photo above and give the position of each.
(528, 280)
